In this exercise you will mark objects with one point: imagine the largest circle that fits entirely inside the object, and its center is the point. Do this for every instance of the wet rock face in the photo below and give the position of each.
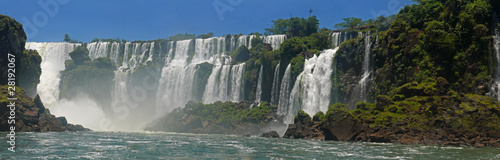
(32, 116)
(304, 128)
(340, 126)
(270, 134)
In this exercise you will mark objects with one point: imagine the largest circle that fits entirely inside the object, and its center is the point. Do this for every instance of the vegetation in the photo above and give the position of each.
(205, 36)
(218, 116)
(81, 75)
(27, 64)
(69, 40)
(294, 26)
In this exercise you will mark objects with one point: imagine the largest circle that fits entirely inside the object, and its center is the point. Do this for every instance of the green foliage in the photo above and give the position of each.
(205, 36)
(69, 40)
(302, 117)
(349, 23)
(318, 116)
(93, 40)
(12, 40)
(179, 37)
(29, 71)
(241, 54)
(103, 62)
(294, 26)
(297, 64)
(80, 55)
(437, 38)
(225, 115)
(81, 75)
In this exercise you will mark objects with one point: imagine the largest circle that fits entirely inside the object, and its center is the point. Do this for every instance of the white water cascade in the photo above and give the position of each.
(360, 92)
(495, 88)
(284, 93)
(53, 57)
(183, 73)
(312, 88)
(258, 92)
(274, 40)
(275, 89)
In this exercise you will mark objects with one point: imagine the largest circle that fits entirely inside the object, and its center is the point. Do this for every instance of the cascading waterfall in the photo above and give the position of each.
(53, 57)
(312, 88)
(284, 92)
(258, 92)
(275, 89)
(495, 88)
(336, 39)
(97, 49)
(179, 70)
(360, 92)
(274, 40)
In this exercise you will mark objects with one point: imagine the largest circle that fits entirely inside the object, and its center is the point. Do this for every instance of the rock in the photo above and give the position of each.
(270, 134)
(301, 131)
(340, 126)
(204, 124)
(63, 120)
(32, 116)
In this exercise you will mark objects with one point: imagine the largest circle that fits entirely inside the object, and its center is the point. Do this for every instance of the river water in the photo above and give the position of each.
(154, 145)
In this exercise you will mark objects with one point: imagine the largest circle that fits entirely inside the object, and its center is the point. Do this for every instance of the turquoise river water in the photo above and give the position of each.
(152, 145)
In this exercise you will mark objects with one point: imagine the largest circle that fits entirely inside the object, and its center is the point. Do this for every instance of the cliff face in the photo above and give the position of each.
(32, 116)
(431, 72)
(12, 40)
(450, 119)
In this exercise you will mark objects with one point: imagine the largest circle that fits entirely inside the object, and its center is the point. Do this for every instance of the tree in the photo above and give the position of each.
(179, 37)
(95, 40)
(66, 38)
(294, 26)
(205, 36)
(80, 55)
(349, 23)
(241, 54)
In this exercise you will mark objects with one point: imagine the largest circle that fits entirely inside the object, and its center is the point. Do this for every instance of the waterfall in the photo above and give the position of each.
(236, 86)
(274, 40)
(250, 37)
(284, 92)
(495, 88)
(97, 49)
(114, 54)
(336, 39)
(225, 83)
(209, 50)
(312, 88)
(193, 69)
(258, 92)
(360, 92)
(175, 88)
(53, 57)
(275, 89)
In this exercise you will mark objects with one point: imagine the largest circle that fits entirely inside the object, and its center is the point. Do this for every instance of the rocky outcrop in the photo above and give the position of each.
(304, 128)
(270, 134)
(32, 116)
(217, 118)
(456, 119)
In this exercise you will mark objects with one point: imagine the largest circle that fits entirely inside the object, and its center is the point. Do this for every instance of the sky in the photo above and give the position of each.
(84, 20)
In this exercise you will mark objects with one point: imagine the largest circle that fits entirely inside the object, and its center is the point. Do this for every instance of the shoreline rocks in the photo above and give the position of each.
(32, 116)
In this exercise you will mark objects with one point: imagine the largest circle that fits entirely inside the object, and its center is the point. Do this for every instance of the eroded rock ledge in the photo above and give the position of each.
(462, 119)
(32, 116)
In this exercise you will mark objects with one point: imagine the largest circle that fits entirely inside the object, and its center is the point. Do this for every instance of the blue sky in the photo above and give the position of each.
(49, 20)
